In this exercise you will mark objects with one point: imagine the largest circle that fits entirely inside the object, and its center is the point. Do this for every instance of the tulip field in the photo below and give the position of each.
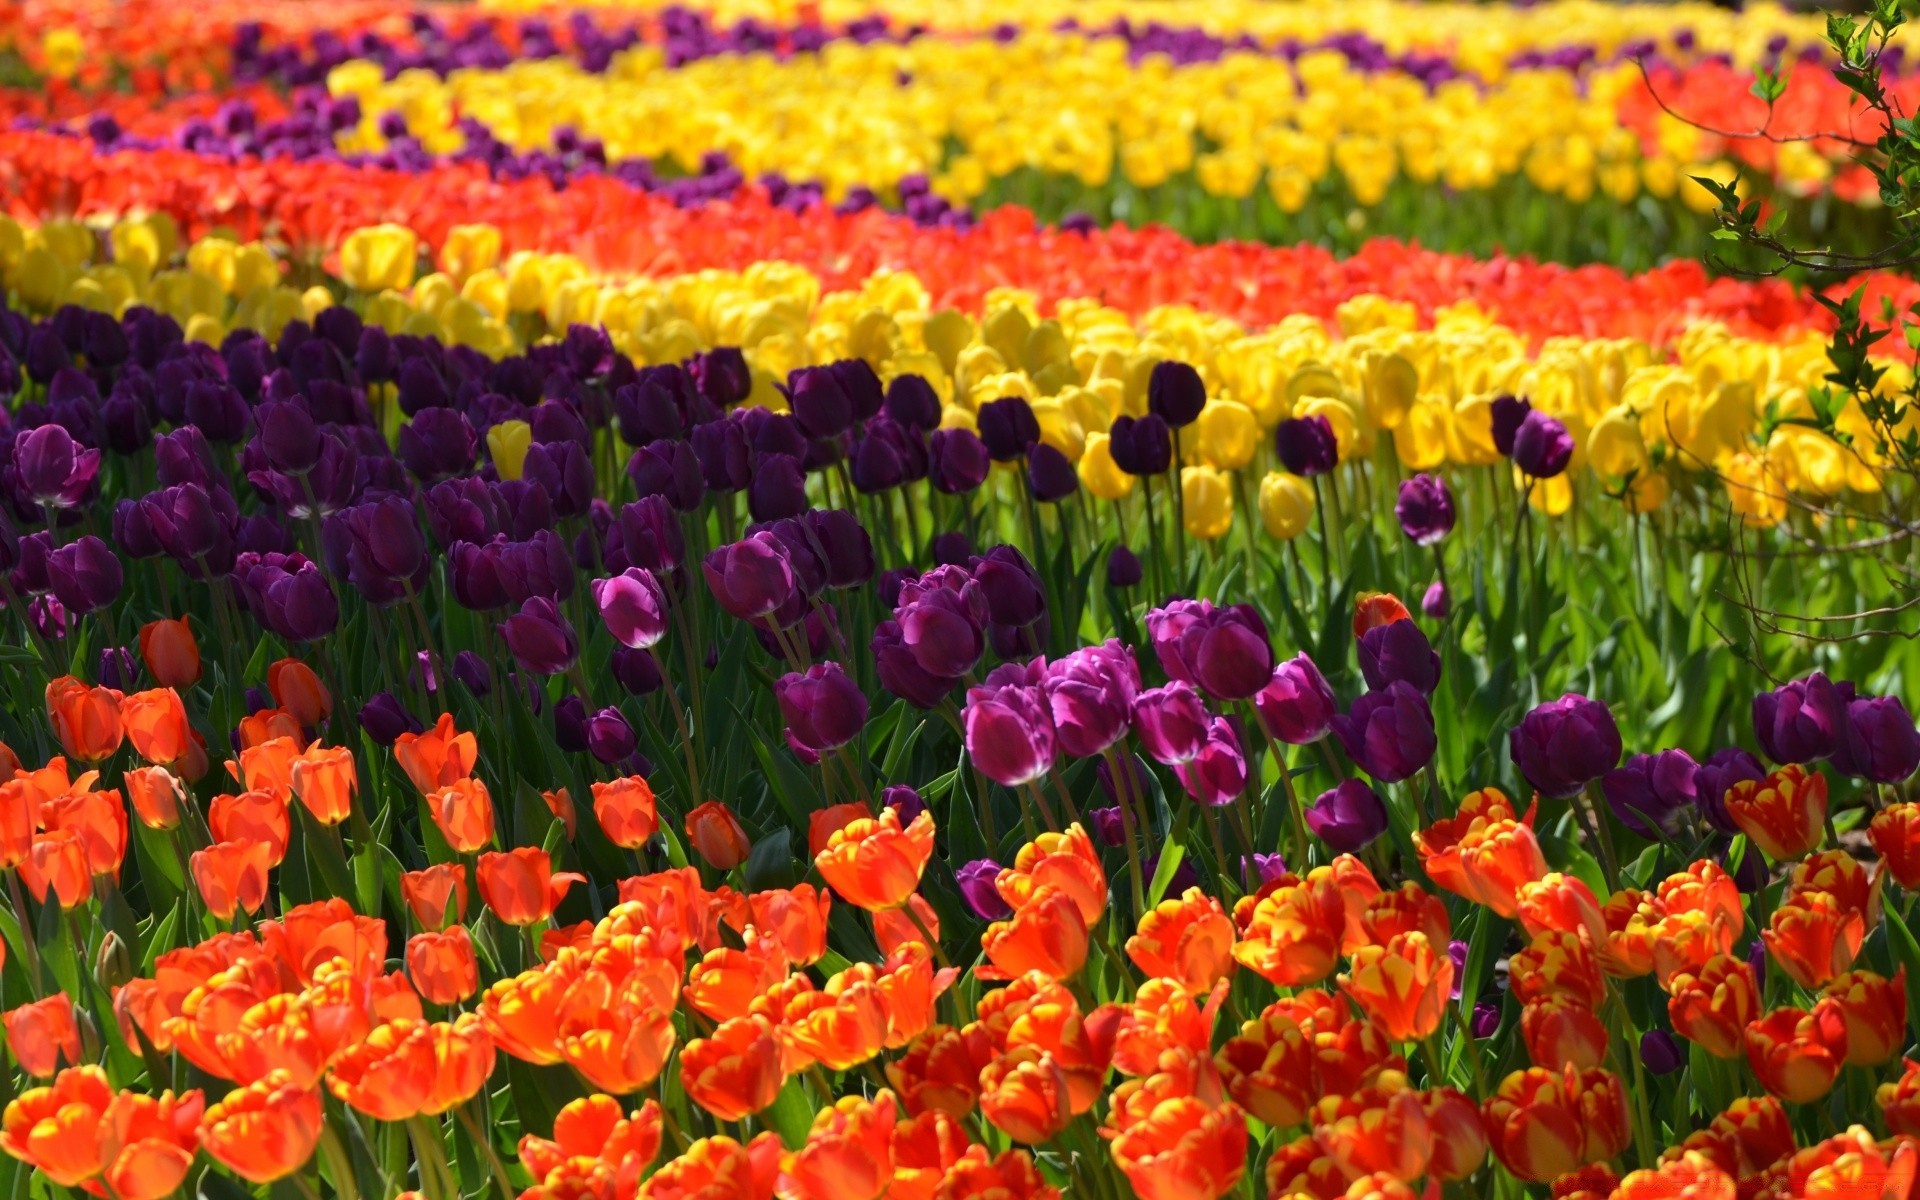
(934, 600)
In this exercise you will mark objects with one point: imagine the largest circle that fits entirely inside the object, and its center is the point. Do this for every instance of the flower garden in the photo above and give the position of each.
(893, 598)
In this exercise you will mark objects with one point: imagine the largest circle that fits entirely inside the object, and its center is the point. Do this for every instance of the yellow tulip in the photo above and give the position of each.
(1098, 473)
(214, 258)
(1228, 434)
(1392, 383)
(508, 443)
(1646, 492)
(1614, 445)
(468, 250)
(205, 328)
(41, 278)
(378, 257)
(1286, 505)
(13, 243)
(1755, 489)
(61, 51)
(1208, 498)
(253, 268)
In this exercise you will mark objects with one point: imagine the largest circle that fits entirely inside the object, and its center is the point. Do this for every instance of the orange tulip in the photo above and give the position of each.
(57, 863)
(1784, 814)
(1558, 963)
(85, 719)
(270, 725)
(156, 794)
(156, 723)
(297, 689)
(1066, 861)
(1544, 1123)
(19, 818)
(908, 986)
(897, 927)
(1047, 935)
(9, 763)
(463, 813)
(725, 980)
(1714, 1006)
(172, 655)
(232, 876)
(1873, 1009)
(264, 1131)
(617, 1033)
(626, 812)
(1814, 938)
(924, 1148)
(438, 757)
(1374, 609)
(1024, 1093)
(1009, 1175)
(736, 1071)
(719, 1168)
(1895, 833)
(1189, 940)
(1558, 1030)
(437, 896)
(716, 833)
(840, 1029)
(98, 819)
(1757, 1130)
(442, 966)
(1301, 1168)
(325, 780)
(1691, 1176)
(1459, 1137)
(268, 766)
(309, 937)
(823, 823)
(56, 1129)
(1403, 985)
(1406, 909)
(148, 1143)
(1795, 1056)
(1858, 1166)
(1900, 1100)
(1295, 935)
(523, 1011)
(798, 917)
(1381, 1127)
(43, 1035)
(1842, 876)
(406, 1068)
(1496, 861)
(848, 1153)
(1299, 1050)
(1595, 1181)
(520, 885)
(941, 1070)
(1562, 902)
(594, 1127)
(874, 863)
(1186, 1149)
(1631, 917)
(559, 802)
(252, 817)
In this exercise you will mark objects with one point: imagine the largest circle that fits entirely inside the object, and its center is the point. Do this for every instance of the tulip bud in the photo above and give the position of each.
(113, 966)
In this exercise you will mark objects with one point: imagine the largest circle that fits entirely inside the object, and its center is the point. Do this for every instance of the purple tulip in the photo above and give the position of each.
(819, 402)
(1651, 791)
(1009, 732)
(1050, 477)
(288, 594)
(570, 724)
(1388, 733)
(912, 402)
(1141, 446)
(1014, 592)
(843, 545)
(1218, 771)
(84, 575)
(976, 888)
(752, 577)
(1296, 705)
(1435, 603)
(1172, 722)
(436, 443)
(634, 607)
(1506, 413)
(1802, 721)
(1565, 744)
(906, 802)
(1425, 509)
(1348, 817)
(1716, 777)
(1306, 445)
(473, 673)
(901, 673)
(194, 526)
(1542, 447)
(650, 535)
(1399, 650)
(957, 461)
(1486, 1019)
(1123, 568)
(1661, 1052)
(880, 459)
(726, 462)
(1266, 867)
(950, 549)
(563, 469)
(1877, 743)
(541, 638)
(669, 469)
(636, 671)
(652, 407)
(722, 375)
(778, 488)
(1133, 774)
(1108, 827)
(217, 409)
(51, 471)
(1175, 393)
(1007, 427)
(1223, 650)
(117, 668)
(384, 719)
(287, 435)
(943, 617)
(1184, 875)
(824, 709)
(1090, 694)
(609, 738)
(1457, 951)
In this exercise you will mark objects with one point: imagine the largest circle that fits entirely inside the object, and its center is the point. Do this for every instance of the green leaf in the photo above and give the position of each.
(771, 863)
(1163, 874)
(791, 1114)
(1906, 952)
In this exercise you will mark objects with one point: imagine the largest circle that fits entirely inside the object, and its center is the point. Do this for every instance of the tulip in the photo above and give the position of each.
(1090, 694)
(1565, 744)
(437, 896)
(52, 471)
(976, 880)
(541, 638)
(1651, 791)
(325, 781)
(752, 577)
(1542, 447)
(957, 461)
(1435, 602)
(84, 575)
(463, 813)
(735, 1072)
(1141, 446)
(1803, 720)
(520, 885)
(1123, 568)
(717, 834)
(170, 652)
(626, 811)
(1224, 651)
(1286, 505)
(1007, 427)
(1544, 1123)
(264, 1131)
(1208, 499)
(85, 720)
(232, 876)
(1296, 706)
(1172, 723)
(1050, 476)
(1814, 938)
(1293, 936)
(43, 1035)
(1175, 393)
(1398, 650)
(1878, 742)
(1716, 777)
(1425, 509)
(876, 864)
(1347, 817)
(1009, 727)
(156, 723)
(442, 966)
(1388, 733)
(1024, 1094)
(824, 710)
(1873, 1010)
(1784, 814)
(1306, 445)
(1794, 1055)
(1187, 1148)
(1188, 940)
(1217, 773)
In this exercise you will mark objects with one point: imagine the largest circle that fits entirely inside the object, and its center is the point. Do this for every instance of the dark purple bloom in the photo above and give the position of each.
(823, 709)
(901, 673)
(726, 463)
(609, 738)
(1090, 694)
(541, 638)
(670, 469)
(751, 577)
(1348, 817)
(287, 435)
(1650, 791)
(957, 461)
(439, 442)
(1435, 603)
(1223, 650)
(1506, 413)
(1878, 741)
(942, 618)
(51, 471)
(1661, 1052)
(976, 888)
(860, 384)
(1050, 476)
(649, 535)
(1141, 445)
(565, 472)
(1008, 427)
(84, 575)
(1015, 595)
(1542, 447)
(570, 724)
(634, 607)
(1171, 722)
(386, 543)
(819, 402)
(653, 406)
(913, 403)
(722, 375)
(1009, 730)
(384, 718)
(778, 488)
(1563, 745)
(117, 668)
(288, 594)
(1108, 828)
(842, 544)
(1425, 509)
(1486, 1019)
(636, 671)
(1399, 650)
(1388, 733)
(950, 549)
(904, 801)
(880, 458)
(1218, 770)
(1306, 445)
(1123, 568)
(1802, 721)
(195, 527)
(1457, 951)
(1716, 776)
(218, 410)
(473, 673)
(1175, 393)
